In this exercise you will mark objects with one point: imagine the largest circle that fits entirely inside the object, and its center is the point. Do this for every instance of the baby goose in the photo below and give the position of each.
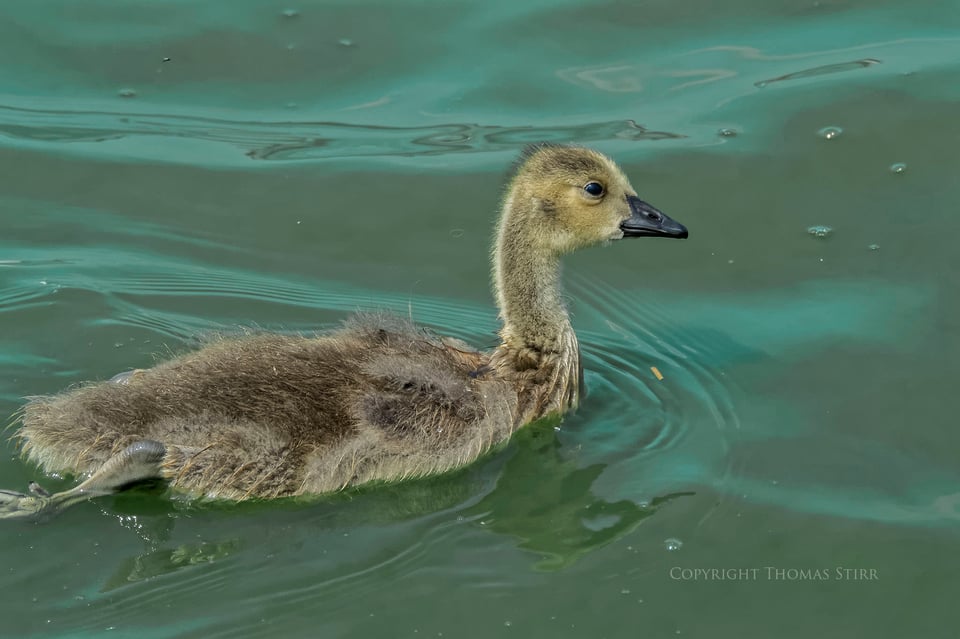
(272, 415)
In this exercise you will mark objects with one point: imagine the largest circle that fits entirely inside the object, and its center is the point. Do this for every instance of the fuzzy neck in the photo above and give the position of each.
(528, 292)
(538, 342)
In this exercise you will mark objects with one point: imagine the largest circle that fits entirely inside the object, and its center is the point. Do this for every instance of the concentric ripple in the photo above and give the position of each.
(688, 430)
(658, 435)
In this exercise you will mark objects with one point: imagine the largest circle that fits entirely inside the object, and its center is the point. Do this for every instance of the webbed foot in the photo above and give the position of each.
(14, 505)
(138, 461)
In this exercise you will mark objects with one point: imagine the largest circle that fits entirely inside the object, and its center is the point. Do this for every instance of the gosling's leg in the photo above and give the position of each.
(138, 461)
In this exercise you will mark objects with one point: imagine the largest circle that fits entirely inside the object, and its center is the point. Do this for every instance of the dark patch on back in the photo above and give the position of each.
(430, 396)
(384, 410)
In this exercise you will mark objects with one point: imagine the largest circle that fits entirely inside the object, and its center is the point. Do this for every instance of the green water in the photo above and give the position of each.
(283, 170)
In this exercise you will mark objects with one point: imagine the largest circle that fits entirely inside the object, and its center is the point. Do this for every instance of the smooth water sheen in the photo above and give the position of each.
(171, 169)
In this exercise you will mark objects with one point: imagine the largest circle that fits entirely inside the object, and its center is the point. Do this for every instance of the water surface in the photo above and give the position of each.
(171, 169)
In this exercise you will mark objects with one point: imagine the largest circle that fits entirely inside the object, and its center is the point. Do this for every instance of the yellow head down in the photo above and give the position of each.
(570, 197)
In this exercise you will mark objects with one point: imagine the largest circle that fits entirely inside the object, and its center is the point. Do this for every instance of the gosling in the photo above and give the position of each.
(268, 416)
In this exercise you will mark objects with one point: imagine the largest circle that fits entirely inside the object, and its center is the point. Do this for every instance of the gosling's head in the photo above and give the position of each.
(570, 197)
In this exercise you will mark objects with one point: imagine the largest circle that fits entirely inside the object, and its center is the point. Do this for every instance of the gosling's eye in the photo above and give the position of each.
(594, 188)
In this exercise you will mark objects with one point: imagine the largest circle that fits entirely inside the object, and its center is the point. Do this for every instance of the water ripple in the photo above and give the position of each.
(23, 296)
(129, 294)
(651, 436)
(825, 69)
(294, 141)
(680, 432)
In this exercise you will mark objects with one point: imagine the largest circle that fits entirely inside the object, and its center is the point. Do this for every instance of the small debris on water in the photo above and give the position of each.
(830, 132)
(820, 230)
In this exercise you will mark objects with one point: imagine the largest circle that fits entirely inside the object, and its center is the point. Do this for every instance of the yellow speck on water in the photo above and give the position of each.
(656, 371)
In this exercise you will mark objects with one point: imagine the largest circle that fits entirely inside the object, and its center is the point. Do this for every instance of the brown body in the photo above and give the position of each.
(272, 415)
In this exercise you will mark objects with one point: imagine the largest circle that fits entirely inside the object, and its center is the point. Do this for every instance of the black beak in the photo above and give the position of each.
(646, 221)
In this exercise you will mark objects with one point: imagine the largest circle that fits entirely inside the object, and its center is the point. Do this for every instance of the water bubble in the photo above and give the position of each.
(727, 133)
(874, 247)
(673, 544)
(830, 132)
(624, 591)
(127, 93)
(898, 167)
(290, 13)
(291, 105)
(508, 623)
(819, 230)
(345, 42)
